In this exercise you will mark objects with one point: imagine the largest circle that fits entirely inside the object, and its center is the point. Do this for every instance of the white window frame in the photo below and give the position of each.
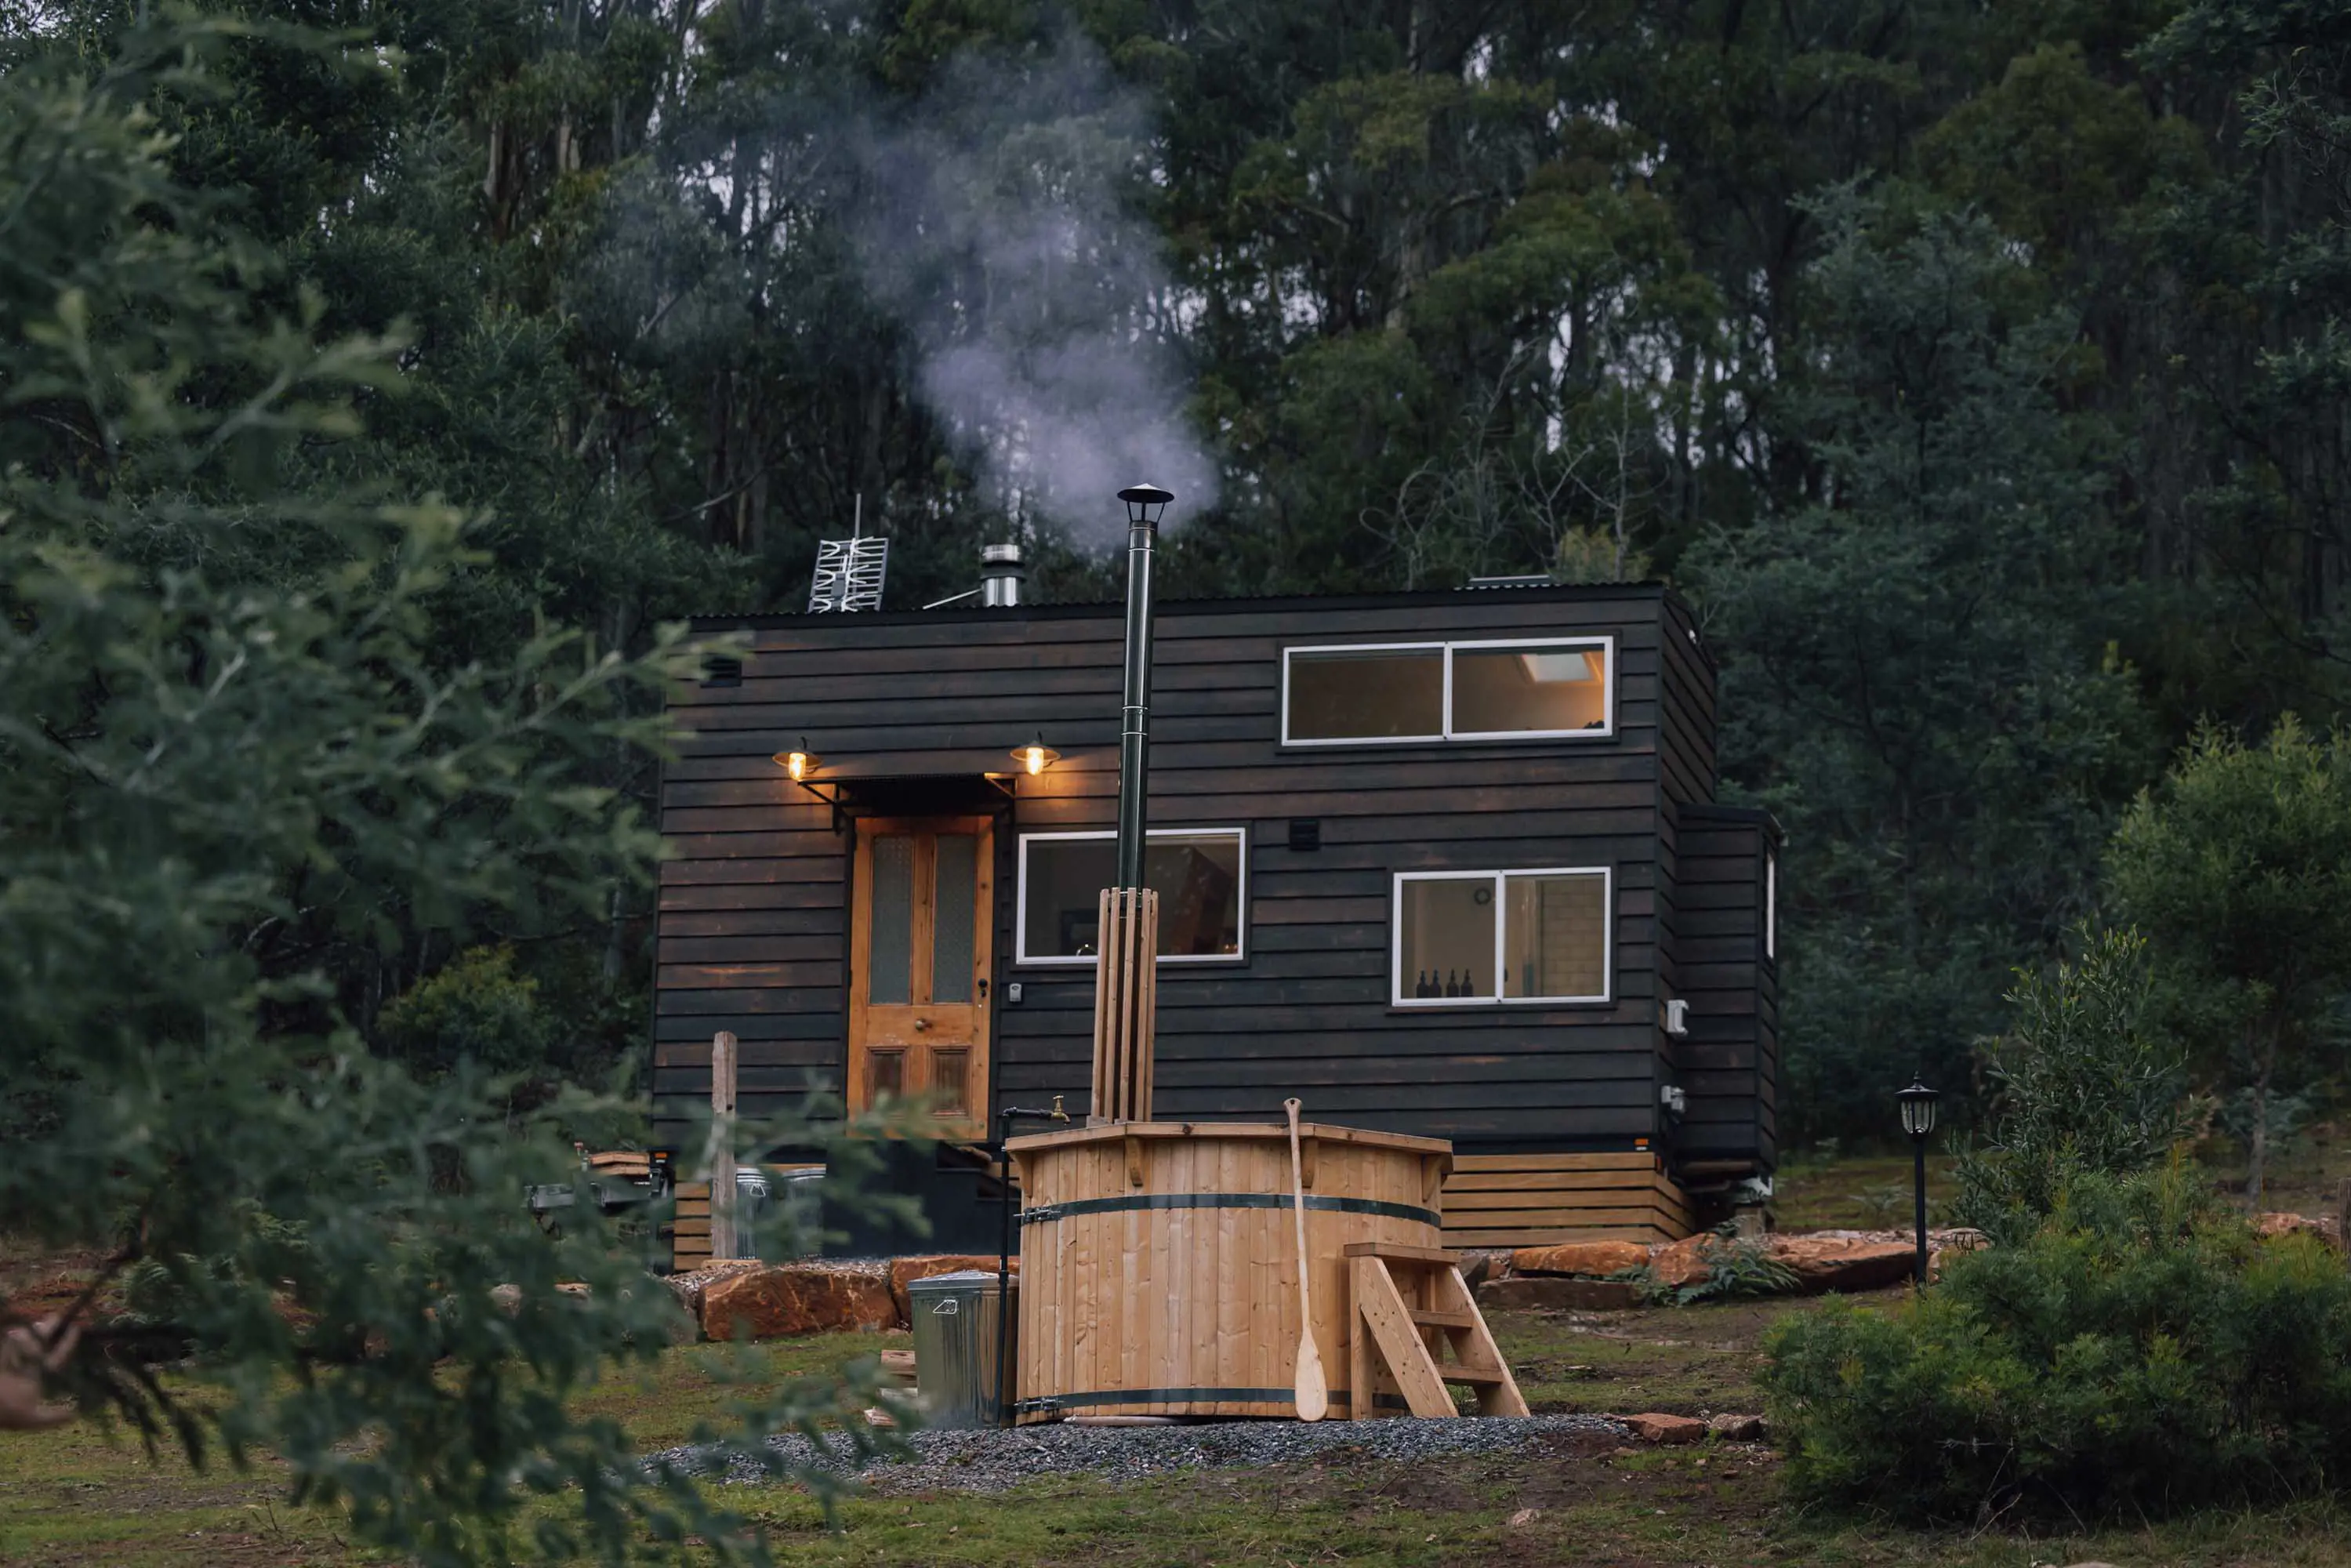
(1771, 904)
(1021, 957)
(1605, 642)
(1607, 875)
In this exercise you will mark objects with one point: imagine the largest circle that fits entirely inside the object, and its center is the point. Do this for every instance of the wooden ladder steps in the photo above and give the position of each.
(1412, 1336)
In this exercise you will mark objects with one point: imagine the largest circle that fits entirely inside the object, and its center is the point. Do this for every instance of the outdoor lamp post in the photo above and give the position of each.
(1918, 1103)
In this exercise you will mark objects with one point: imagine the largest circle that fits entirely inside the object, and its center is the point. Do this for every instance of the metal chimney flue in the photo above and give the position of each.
(1145, 505)
(1000, 576)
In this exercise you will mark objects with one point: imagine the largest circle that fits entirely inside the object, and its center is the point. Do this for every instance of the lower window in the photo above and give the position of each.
(1199, 874)
(1468, 937)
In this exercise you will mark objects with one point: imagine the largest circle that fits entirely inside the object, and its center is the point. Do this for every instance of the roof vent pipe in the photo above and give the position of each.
(1145, 505)
(1000, 573)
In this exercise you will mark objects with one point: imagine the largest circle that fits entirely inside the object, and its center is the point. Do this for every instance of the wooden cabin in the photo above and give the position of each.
(1443, 864)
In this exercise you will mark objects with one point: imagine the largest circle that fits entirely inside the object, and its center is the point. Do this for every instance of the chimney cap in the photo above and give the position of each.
(1147, 494)
(993, 555)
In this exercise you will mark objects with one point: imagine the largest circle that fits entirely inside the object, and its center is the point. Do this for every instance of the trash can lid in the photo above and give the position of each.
(962, 1279)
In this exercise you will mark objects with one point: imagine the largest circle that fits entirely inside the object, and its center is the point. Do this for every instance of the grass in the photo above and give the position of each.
(73, 1498)
(81, 1496)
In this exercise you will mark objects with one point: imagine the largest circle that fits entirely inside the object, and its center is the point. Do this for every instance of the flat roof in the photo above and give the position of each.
(1430, 597)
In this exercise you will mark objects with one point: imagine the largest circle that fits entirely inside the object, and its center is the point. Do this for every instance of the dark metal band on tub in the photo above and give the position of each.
(1168, 1396)
(1045, 1214)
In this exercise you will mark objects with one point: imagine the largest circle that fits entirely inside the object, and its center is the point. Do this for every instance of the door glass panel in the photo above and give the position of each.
(1378, 693)
(1500, 691)
(951, 933)
(1556, 937)
(949, 1072)
(893, 963)
(1449, 939)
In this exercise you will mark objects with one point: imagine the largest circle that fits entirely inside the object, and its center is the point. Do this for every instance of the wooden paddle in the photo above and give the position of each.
(1313, 1390)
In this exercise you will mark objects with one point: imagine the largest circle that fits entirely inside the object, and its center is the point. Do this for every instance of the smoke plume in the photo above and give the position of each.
(1042, 311)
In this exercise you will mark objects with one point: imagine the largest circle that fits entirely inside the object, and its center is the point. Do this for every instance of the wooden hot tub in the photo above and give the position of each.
(1159, 1259)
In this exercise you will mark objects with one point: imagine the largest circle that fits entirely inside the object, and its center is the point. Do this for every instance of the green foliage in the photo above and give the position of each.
(237, 768)
(476, 1009)
(2140, 1355)
(1913, 664)
(2082, 1082)
(2238, 868)
(1736, 1267)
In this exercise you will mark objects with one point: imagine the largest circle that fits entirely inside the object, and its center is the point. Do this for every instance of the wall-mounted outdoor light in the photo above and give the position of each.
(1036, 757)
(1918, 1103)
(799, 764)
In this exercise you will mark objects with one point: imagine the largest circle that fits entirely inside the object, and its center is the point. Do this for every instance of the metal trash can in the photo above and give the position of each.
(751, 1197)
(955, 1347)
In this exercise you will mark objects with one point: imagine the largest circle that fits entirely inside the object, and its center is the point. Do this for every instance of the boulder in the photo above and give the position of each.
(1654, 1427)
(2325, 1229)
(1591, 1258)
(689, 1286)
(1835, 1263)
(780, 1300)
(1732, 1428)
(1678, 1263)
(904, 1272)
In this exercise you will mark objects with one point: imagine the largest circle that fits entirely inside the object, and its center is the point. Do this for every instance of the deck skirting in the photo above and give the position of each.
(1532, 1200)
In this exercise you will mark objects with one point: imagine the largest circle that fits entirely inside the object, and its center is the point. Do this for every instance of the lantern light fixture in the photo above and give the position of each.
(1918, 1103)
(799, 763)
(1036, 757)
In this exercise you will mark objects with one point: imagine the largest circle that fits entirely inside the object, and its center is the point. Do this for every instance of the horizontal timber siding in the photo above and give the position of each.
(754, 916)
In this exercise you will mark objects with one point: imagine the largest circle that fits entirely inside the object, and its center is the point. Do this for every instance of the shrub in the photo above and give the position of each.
(2082, 1084)
(2142, 1351)
(476, 1008)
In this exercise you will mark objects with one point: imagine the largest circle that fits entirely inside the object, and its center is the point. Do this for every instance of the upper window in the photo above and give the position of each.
(1199, 874)
(1771, 905)
(1470, 936)
(1449, 691)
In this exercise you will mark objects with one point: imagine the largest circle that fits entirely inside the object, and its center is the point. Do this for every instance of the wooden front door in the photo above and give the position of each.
(919, 965)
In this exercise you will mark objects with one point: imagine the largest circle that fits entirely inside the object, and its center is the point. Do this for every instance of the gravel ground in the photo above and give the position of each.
(994, 1460)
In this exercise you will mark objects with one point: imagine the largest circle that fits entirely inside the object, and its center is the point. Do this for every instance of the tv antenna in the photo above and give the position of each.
(850, 572)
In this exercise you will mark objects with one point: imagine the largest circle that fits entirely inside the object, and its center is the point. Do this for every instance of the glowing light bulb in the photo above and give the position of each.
(1036, 760)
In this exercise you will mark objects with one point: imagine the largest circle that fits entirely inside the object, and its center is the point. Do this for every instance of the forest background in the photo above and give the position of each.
(1977, 370)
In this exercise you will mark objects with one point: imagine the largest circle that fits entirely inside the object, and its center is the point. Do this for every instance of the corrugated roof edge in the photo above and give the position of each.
(1430, 597)
(1757, 815)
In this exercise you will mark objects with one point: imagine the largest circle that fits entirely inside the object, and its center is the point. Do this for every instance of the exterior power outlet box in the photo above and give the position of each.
(1677, 1017)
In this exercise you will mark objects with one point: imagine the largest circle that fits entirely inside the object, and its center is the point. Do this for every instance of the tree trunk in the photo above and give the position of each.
(2257, 1150)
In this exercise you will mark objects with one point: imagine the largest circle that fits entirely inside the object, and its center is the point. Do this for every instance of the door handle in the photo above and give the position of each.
(983, 988)
(921, 1024)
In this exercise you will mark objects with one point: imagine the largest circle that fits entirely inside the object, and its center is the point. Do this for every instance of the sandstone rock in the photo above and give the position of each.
(1831, 1263)
(1683, 1262)
(904, 1272)
(1654, 1427)
(689, 1286)
(2325, 1228)
(774, 1303)
(1552, 1292)
(1733, 1428)
(1587, 1258)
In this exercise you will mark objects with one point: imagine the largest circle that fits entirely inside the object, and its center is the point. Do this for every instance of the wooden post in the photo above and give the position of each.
(719, 1156)
(1126, 1005)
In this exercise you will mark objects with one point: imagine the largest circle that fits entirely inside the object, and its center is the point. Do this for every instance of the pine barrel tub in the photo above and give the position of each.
(1159, 1260)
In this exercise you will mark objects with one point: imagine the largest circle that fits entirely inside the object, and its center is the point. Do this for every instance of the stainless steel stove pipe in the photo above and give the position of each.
(1146, 503)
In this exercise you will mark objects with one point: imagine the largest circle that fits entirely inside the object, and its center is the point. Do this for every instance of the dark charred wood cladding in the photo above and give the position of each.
(1728, 1062)
(755, 919)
